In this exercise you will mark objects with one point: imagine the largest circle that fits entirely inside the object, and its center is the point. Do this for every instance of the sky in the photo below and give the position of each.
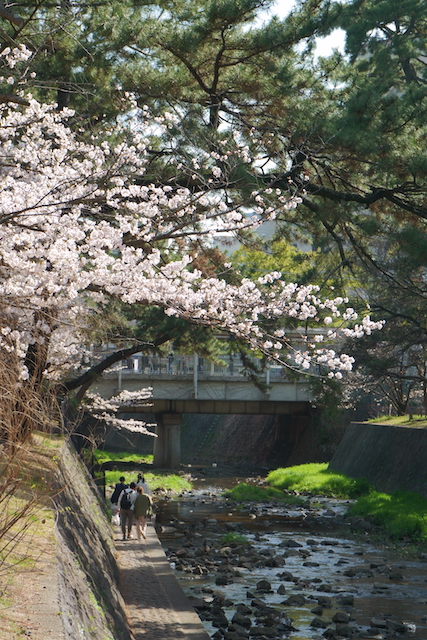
(324, 46)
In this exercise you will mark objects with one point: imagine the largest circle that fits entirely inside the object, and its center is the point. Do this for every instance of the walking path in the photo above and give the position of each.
(156, 606)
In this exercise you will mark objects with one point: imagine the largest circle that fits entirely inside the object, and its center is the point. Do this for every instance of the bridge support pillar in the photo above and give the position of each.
(167, 445)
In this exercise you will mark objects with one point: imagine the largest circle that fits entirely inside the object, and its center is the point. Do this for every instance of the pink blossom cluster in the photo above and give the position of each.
(106, 410)
(81, 223)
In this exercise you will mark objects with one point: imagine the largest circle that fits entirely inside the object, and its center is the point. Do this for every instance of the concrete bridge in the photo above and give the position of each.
(189, 384)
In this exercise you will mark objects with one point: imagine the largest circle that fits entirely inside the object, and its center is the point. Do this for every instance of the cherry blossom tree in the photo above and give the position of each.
(81, 223)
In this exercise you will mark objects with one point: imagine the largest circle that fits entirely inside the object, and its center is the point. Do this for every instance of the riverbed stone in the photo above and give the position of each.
(330, 633)
(281, 590)
(241, 620)
(198, 603)
(286, 576)
(318, 611)
(378, 623)
(296, 600)
(358, 572)
(317, 623)
(345, 630)
(263, 585)
(275, 561)
(219, 620)
(242, 632)
(396, 627)
(225, 551)
(341, 617)
(269, 632)
(290, 543)
(381, 586)
(199, 570)
(395, 575)
(324, 601)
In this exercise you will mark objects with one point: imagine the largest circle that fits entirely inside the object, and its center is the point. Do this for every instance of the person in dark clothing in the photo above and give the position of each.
(126, 504)
(120, 486)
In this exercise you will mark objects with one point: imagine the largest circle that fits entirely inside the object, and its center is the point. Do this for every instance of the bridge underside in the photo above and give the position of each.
(168, 413)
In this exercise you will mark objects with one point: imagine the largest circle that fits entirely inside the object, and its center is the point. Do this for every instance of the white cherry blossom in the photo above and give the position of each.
(80, 223)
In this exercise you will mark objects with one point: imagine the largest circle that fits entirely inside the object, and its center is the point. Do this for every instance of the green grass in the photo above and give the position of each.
(102, 456)
(316, 478)
(401, 514)
(244, 491)
(407, 420)
(159, 480)
(233, 538)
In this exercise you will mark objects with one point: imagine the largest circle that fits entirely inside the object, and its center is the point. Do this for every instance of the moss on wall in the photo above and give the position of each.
(91, 604)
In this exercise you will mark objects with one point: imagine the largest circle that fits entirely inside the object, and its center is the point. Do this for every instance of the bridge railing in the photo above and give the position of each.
(187, 365)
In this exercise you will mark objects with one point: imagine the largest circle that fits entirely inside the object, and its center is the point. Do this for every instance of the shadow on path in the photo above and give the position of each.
(156, 606)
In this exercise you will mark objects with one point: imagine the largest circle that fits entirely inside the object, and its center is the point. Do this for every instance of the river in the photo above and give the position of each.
(323, 582)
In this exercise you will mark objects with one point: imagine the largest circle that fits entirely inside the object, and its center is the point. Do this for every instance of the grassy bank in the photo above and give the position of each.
(400, 516)
(27, 531)
(414, 421)
(101, 457)
(317, 479)
(158, 479)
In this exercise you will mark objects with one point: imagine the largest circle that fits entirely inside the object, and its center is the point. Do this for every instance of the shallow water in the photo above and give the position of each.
(375, 594)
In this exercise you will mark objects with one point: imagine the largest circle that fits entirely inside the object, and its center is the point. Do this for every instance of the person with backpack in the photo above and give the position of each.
(126, 503)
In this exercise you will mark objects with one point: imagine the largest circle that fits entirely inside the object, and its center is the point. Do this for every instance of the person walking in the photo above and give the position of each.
(142, 508)
(120, 486)
(126, 503)
(142, 483)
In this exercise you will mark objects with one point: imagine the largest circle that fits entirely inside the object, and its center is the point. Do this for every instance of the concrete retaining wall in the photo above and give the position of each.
(391, 458)
(90, 600)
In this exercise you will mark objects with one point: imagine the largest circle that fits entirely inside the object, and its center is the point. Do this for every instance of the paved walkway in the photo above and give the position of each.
(156, 606)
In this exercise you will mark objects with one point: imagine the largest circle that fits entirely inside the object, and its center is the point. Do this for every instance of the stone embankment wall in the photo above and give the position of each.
(249, 440)
(90, 601)
(389, 457)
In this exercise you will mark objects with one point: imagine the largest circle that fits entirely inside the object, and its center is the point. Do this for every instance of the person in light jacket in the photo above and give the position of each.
(142, 508)
(142, 483)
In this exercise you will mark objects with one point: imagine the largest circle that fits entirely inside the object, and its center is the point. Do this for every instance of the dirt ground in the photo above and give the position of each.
(29, 605)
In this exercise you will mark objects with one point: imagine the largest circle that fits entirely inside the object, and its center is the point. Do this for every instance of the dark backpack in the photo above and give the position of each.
(125, 502)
